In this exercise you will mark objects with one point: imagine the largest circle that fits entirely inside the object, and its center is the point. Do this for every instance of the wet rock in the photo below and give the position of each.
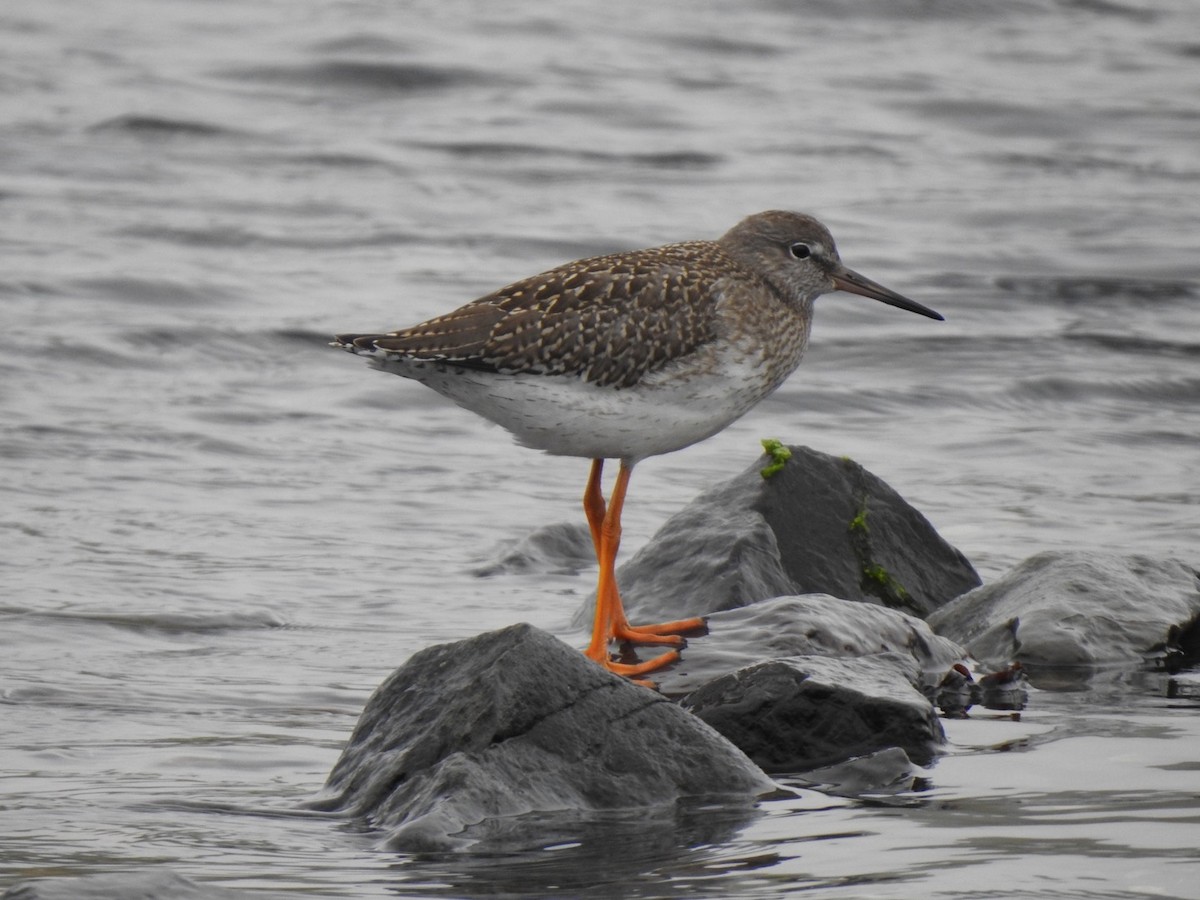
(887, 771)
(1081, 609)
(153, 884)
(515, 722)
(820, 524)
(560, 547)
(803, 712)
(812, 625)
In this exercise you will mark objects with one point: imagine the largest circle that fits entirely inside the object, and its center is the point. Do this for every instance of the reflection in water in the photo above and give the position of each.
(681, 852)
(695, 851)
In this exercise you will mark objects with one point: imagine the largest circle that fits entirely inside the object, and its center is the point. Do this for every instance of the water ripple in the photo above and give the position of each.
(339, 75)
(174, 623)
(1090, 288)
(162, 126)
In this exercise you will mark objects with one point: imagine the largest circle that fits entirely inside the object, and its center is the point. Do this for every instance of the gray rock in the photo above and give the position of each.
(844, 531)
(820, 524)
(887, 771)
(799, 713)
(151, 884)
(515, 722)
(1074, 609)
(812, 625)
(559, 547)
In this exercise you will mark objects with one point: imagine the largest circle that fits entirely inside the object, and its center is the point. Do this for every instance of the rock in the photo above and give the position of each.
(820, 524)
(812, 625)
(885, 771)
(515, 722)
(560, 547)
(152, 884)
(844, 531)
(799, 713)
(1080, 609)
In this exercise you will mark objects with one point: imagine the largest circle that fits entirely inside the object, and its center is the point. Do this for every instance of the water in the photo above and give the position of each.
(218, 535)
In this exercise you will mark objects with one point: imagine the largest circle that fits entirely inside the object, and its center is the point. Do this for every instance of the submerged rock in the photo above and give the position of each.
(802, 712)
(1081, 609)
(819, 524)
(559, 547)
(515, 722)
(887, 771)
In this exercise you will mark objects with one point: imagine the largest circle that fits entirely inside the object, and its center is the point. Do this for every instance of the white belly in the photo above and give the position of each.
(567, 416)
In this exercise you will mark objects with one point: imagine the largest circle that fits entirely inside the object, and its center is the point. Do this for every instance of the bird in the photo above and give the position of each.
(631, 355)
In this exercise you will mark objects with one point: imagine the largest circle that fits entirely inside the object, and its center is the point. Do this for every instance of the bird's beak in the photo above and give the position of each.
(848, 280)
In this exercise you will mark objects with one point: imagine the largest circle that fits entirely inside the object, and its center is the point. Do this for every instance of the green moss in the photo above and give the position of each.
(779, 456)
(859, 522)
(883, 578)
(876, 580)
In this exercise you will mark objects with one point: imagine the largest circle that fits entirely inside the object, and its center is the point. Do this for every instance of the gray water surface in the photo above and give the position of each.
(217, 535)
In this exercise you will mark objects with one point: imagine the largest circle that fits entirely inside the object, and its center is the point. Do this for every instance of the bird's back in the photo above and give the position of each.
(609, 320)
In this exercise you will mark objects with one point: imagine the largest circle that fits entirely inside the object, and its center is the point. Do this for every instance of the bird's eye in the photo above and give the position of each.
(800, 250)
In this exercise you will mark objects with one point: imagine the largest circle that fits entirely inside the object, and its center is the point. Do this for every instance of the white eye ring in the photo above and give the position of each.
(800, 250)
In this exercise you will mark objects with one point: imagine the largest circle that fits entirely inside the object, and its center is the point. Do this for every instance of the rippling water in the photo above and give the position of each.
(217, 535)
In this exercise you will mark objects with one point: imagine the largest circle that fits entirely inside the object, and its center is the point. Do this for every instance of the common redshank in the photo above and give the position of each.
(628, 356)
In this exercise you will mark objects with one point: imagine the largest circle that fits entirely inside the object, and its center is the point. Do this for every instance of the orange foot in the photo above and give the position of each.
(671, 633)
(633, 670)
(604, 521)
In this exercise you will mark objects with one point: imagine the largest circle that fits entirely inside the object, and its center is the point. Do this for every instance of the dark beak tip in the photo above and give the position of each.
(923, 311)
(853, 283)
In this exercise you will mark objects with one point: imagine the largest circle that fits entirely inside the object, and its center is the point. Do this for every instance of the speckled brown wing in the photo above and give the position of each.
(655, 305)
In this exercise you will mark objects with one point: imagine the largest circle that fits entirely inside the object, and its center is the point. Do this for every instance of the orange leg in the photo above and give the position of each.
(607, 536)
(593, 503)
(666, 633)
(611, 622)
(662, 633)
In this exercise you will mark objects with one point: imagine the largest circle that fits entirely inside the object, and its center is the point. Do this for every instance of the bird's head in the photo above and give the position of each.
(796, 254)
